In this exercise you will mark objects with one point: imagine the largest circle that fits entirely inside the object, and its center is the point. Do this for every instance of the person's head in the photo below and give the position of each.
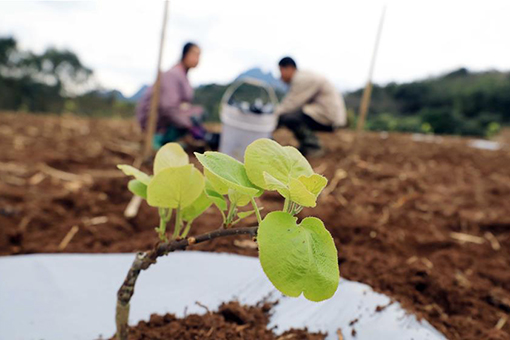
(190, 55)
(287, 69)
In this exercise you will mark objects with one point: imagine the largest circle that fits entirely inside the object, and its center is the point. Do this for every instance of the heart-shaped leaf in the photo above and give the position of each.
(196, 208)
(305, 189)
(225, 171)
(237, 198)
(217, 198)
(282, 163)
(132, 171)
(175, 187)
(244, 214)
(298, 258)
(170, 155)
(138, 188)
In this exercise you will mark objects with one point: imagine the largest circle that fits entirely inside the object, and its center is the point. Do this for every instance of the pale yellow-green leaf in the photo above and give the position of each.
(170, 155)
(299, 165)
(282, 163)
(300, 194)
(138, 188)
(217, 198)
(175, 187)
(217, 183)
(227, 170)
(314, 183)
(132, 171)
(196, 208)
(298, 258)
(237, 198)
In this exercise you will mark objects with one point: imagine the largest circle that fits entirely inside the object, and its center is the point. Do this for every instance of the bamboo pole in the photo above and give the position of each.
(367, 92)
(133, 206)
(153, 114)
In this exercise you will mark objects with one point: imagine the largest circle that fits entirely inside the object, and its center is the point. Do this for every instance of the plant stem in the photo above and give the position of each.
(178, 223)
(162, 225)
(223, 216)
(186, 229)
(168, 216)
(144, 260)
(231, 212)
(286, 205)
(257, 212)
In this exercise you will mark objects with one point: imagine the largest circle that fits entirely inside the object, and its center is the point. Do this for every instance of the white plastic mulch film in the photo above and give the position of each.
(73, 297)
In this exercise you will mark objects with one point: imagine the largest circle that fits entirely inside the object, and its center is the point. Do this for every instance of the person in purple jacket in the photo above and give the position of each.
(176, 115)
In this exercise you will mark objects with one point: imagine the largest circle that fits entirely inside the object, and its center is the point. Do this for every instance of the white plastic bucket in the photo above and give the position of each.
(239, 129)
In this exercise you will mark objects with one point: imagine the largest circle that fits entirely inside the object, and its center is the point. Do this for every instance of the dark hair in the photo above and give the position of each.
(286, 62)
(187, 47)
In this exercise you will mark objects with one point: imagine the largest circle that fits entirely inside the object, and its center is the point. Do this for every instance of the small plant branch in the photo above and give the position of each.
(168, 215)
(178, 223)
(144, 260)
(164, 217)
(257, 212)
(223, 216)
(186, 229)
(231, 214)
(286, 205)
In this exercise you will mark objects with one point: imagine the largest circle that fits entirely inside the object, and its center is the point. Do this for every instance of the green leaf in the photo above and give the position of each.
(314, 183)
(170, 155)
(175, 187)
(216, 182)
(196, 208)
(299, 165)
(274, 184)
(132, 171)
(223, 170)
(217, 198)
(138, 188)
(300, 194)
(237, 198)
(282, 163)
(305, 189)
(298, 258)
(244, 214)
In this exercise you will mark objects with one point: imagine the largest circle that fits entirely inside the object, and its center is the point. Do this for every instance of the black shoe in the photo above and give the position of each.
(212, 140)
(312, 152)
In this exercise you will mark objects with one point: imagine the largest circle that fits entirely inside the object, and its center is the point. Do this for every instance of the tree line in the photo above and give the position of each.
(460, 102)
(51, 82)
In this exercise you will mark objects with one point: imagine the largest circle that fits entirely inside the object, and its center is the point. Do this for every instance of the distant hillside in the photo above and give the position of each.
(459, 102)
(138, 95)
(257, 73)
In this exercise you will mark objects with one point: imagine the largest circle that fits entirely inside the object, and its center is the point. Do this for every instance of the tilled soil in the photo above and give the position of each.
(232, 321)
(427, 223)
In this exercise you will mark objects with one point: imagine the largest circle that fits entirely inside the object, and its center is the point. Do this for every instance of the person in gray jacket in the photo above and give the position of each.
(312, 104)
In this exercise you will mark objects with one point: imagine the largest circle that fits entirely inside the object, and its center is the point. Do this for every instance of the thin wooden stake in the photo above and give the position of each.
(493, 241)
(133, 206)
(501, 323)
(367, 92)
(153, 114)
(467, 238)
(69, 236)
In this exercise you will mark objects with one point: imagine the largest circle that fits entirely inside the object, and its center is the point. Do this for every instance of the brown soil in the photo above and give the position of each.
(232, 321)
(399, 215)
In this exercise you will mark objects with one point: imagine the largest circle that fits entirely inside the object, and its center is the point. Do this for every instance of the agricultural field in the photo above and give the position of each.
(425, 222)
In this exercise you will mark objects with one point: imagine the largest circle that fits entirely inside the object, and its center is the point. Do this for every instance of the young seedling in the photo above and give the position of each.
(298, 258)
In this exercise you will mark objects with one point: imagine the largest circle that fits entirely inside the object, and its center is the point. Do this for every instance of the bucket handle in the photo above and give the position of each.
(252, 81)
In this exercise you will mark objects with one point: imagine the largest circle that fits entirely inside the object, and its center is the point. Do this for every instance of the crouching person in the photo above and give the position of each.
(312, 104)
(176, 115)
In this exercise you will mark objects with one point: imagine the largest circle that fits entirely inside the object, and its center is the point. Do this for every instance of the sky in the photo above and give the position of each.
(119, 40)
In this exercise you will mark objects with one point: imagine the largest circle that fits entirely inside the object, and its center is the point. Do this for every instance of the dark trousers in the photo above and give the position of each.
(303, 127)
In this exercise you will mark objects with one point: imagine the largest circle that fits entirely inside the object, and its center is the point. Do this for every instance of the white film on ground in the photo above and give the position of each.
(73, 296)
